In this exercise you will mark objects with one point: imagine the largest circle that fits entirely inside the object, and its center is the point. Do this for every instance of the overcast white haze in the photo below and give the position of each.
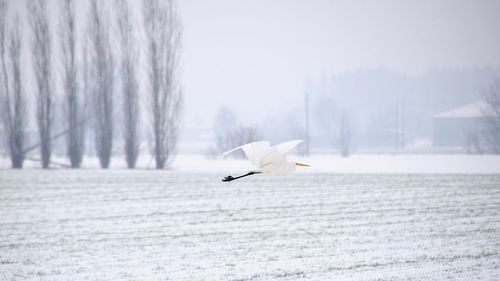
(257, 56)
(260, 57)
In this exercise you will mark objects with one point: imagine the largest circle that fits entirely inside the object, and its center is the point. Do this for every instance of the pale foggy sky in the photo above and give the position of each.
(256, 56)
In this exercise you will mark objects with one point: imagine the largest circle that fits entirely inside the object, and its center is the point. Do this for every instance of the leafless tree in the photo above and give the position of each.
(473, 142)
(233, 137)
(12, 99)
(229, 134)
(326, 118)
(225, 120)
(345, 134)
(4, 86)
(101, 81)
(163, 31)
(492, 118)
(296, 129)
(129, 84)
(85, 88)
(73, 106)
(42, 55)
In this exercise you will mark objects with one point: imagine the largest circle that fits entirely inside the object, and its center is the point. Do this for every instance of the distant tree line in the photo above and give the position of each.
(230, 134)
(97, 67)
(392, 127)
(336, 124)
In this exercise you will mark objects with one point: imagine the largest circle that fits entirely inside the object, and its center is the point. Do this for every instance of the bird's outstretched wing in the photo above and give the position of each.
(286, 146)
(276, 155)
(254, 151)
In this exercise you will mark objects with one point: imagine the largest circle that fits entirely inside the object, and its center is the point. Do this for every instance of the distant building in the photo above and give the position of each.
(453, 127)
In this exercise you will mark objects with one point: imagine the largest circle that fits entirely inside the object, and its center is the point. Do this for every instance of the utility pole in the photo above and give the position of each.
(396, 128)
(402, 125)
(307, 125)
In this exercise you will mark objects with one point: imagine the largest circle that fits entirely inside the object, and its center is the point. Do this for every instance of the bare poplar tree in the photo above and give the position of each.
(73, 106)
(4, 79)
(492, 118)
(101, 81)
(41, 51)
(17, 109)
(85, 85)
(12, 98)
(163, 31)
(129, 85)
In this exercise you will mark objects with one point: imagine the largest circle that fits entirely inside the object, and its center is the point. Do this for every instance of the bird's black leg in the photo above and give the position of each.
(231, 178)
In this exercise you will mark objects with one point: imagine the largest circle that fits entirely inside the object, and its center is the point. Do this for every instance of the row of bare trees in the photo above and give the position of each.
(95, 62)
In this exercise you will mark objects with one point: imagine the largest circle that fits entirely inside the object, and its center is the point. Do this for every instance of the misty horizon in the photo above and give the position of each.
(254, 55)
(259, 60)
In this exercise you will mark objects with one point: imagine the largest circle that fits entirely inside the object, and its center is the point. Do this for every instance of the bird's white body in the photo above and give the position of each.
(269, 159)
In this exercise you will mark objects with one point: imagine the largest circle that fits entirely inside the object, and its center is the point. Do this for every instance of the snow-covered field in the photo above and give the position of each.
(161, 225)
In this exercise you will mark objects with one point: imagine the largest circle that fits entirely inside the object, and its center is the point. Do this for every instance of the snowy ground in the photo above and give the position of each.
(159, 225)
(321, 163)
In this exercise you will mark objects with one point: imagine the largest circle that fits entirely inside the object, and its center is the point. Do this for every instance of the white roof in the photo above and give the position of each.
(473, 110)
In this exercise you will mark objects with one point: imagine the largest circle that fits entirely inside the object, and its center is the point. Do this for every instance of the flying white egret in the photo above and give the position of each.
(267, 159)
